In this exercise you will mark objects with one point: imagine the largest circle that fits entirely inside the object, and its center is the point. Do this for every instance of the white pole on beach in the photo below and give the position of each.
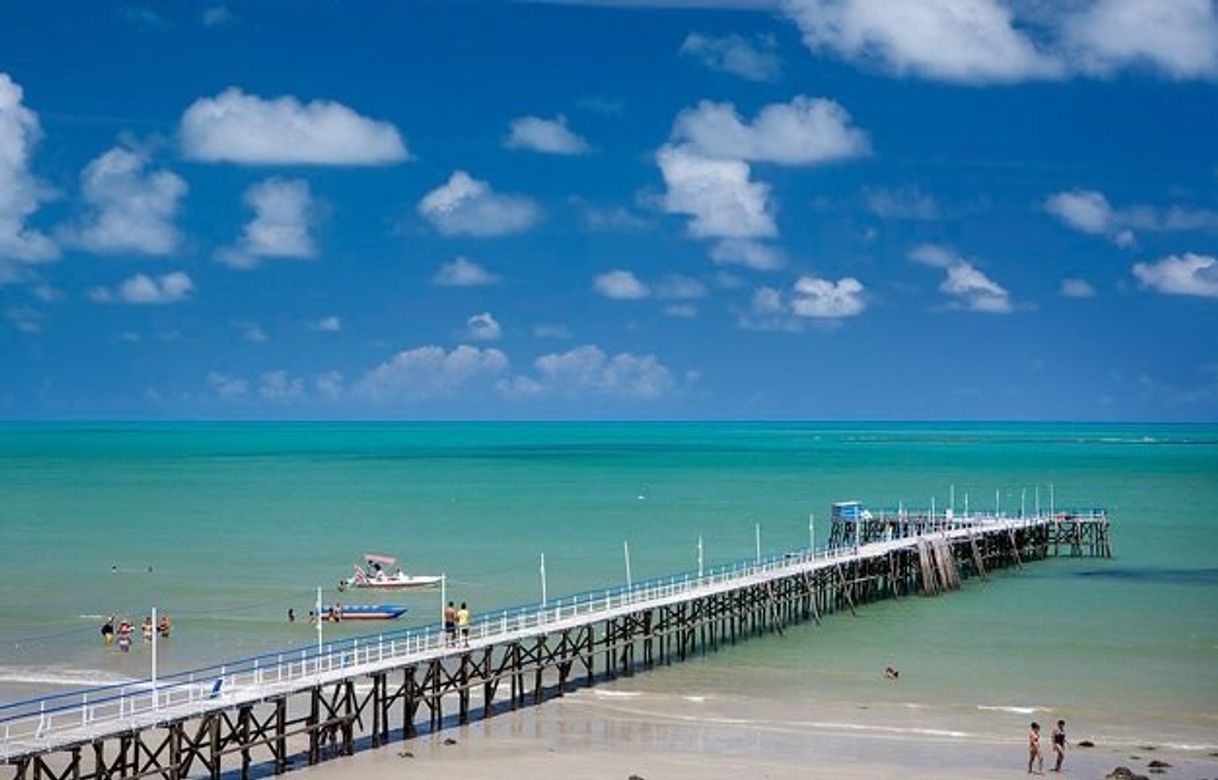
(626, 550)
(757, 534)
(700, 556)
(317, 614)
(154, 633)
(543, 579)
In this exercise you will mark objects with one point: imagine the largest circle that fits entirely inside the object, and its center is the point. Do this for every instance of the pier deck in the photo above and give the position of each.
(292, 704)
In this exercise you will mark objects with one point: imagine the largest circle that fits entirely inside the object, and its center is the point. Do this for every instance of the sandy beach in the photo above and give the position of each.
(616, 731)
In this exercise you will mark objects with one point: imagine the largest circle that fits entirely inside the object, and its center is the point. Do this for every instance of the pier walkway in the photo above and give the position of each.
(276, 708)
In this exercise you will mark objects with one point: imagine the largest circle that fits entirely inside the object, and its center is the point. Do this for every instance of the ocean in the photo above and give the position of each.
(224, 526)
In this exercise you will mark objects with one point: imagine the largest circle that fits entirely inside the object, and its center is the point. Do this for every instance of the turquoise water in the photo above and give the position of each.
(241, 521)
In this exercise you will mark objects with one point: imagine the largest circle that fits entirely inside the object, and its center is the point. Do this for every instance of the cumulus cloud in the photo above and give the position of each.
(1003, 41)
(1178, 37)
(146, 290)
(805, 131)
(253, 333)
(750, 254)
(686, 311)
(620, 285)
(279, 386)
(680, 288)
(483, 327)
(467, 206)
(331, 324)
(1089, 211)
(130, 207)
(20, 192)
(717, 195)
(283, 211)
(966, 286)
(460, 272)
(589, 370)
(901, 203)
(548, 136)
(240, 128)
(428, 372)
(550, 331)
(754, 59)
(1187, 274)
(227, 387)
(1076, 288)
(811, 298)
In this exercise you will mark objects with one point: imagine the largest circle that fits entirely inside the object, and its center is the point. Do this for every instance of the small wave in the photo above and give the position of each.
(69, 678)
(695, 699)
(92, 617)
(617, 694)
(1016, 710)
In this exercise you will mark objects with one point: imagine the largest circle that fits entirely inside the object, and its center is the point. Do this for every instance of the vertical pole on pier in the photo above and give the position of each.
(757, 535)
(812, 533)
(1052, 509)
(1023, 500)
(626, 550)
(997, 502)
(543, 579)
(699, 556)
(154, 635)
(952, 502)
(1037, 499)
(932, 513)
(443, 597)
(317, 614)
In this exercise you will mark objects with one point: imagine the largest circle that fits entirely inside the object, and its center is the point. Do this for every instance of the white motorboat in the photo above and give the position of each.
(374, 574)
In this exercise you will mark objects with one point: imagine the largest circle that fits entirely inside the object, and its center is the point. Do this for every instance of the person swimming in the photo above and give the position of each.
(891, 673)
(107, 630)
(124, 635)
(164, 626)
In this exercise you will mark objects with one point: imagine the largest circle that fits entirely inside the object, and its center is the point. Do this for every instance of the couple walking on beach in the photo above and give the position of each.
(1059, 748)
(453, 619)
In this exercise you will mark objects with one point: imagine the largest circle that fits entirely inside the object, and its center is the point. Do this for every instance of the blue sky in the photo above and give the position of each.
(824, 209)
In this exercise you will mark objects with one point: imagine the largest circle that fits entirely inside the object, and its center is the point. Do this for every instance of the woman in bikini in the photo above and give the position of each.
(1059, 744)
(1034, 754)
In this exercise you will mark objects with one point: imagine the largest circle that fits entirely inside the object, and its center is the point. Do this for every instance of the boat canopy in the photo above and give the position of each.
(384, 560)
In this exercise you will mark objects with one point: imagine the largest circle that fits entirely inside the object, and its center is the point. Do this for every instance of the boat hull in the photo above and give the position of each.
(366, 612)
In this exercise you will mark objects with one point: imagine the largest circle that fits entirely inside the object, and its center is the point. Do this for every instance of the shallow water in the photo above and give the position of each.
(240, 521)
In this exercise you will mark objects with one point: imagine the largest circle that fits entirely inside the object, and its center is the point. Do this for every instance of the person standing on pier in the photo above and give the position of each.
(1059, 745)
(463, 623)
(450, 625)
(1034, 754)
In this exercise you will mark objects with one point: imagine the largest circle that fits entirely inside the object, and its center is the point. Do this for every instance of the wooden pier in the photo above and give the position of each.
(277, 711)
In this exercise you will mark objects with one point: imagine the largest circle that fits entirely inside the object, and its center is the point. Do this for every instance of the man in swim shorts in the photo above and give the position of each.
(450, 625)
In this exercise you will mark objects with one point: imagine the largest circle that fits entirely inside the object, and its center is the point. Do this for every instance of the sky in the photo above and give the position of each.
(652, 209)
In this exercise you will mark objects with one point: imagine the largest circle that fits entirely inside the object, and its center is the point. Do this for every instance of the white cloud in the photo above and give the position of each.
(20, 192)
(131, 208)
(460, 272)
(279, 387)
(240, 128)
(901, 203)
(966, 41)
(717, 194)
(227, 387)
(545, 331)
(997, 41)
(811, 299)
(253, 332)
(217, 16)
(676, 287)
(1089, 211)
(144, 289)
(686, 311)
(754, 59)
(590, 370)
(329, 385)
(483, 327)
(467, 206)
(331, 324)
(1076, 288)
(25, 319)
(548, 136)
(617, 218)
(1187, 274)
(427, 372)
(750, 254)
(967, 286)
(805, 131)
(1178, 37)
(283, 211)
(620, 285)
